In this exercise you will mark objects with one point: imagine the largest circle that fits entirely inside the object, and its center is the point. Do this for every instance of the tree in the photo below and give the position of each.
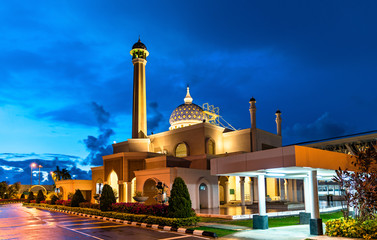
(54, 198)
(61, 174)
(360, 186)
(77, 199)
(22, 196)
(40, 197)
(14, 189)
(107, 198)
(179, 201)
(65, 174)
(30, 197)
(3, 188)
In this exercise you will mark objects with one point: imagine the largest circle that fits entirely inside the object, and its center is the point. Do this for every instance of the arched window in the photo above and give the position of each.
(210, 146)
(181, 150)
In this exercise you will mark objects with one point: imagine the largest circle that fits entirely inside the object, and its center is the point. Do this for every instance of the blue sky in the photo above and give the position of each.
(66, 72)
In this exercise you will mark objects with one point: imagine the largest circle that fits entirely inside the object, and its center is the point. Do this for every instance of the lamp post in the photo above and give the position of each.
(39, 166)
(33, 165)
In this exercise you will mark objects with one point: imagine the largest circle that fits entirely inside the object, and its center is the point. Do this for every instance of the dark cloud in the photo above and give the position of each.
(99, 146)
(323, 127)
(154, 117)
(102, 116)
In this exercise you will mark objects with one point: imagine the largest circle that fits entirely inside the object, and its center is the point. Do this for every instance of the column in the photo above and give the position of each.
(261, 221)
(251, 190)
(305, 216)
(286, 189)
(242, 188)
(282, 189)
(315, 221)
(294, 183)
(226, 192)
(128, 186)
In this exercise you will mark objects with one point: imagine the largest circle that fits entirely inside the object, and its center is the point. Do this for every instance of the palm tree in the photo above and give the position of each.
(61, 174)
(57, 174)
(65, 174)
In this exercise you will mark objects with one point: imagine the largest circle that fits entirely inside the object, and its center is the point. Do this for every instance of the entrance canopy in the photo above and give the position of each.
(292, 162)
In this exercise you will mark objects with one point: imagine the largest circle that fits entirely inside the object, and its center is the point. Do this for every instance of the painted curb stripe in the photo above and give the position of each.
(145, 225)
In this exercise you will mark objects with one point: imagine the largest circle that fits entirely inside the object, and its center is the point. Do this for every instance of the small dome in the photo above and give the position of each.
(187, 113)
(139, 44)
(252, 99)
(278, 111)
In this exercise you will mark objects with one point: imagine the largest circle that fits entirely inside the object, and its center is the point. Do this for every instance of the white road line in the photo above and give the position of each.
(184, 236)
(88, 235)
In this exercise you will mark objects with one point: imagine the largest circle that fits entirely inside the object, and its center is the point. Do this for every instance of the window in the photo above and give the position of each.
(181, 150)
(210, 146)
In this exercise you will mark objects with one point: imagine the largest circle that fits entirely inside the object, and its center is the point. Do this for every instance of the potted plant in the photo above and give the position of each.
(139, 197)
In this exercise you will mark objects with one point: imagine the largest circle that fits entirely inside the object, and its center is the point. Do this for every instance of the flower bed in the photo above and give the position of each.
(352, 228)
(159, 210)
(142, 218)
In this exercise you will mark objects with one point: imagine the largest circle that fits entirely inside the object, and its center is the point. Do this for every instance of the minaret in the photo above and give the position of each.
(278, 122)
(139, 55)
(253, 118)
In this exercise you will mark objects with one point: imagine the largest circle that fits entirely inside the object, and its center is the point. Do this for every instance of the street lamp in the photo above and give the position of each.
(39, 166)
(33, 165)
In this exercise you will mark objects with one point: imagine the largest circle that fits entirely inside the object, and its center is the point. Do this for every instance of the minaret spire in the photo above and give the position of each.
(188, 99)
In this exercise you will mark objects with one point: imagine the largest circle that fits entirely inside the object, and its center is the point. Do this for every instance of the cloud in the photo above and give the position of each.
(99, 146)
(18, 169)
(323, 127)
(154, 117)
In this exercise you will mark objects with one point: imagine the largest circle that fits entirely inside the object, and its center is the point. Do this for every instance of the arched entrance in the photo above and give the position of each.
(150, 190)
(223, 189)
(203, 195)
(36, 188)
(113, 182)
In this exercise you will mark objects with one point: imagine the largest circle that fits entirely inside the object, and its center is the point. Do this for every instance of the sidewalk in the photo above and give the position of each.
(298, 232)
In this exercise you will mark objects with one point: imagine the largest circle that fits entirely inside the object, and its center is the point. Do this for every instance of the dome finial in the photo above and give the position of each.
(188, 99)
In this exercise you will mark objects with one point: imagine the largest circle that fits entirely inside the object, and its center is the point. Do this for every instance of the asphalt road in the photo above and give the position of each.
(18, 222)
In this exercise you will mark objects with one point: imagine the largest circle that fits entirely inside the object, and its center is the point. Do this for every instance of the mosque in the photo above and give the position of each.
(220, 165)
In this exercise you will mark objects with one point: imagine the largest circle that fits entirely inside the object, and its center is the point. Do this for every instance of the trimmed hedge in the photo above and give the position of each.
(7, 201)
(352, 228)
(162, 221)
(159, 210)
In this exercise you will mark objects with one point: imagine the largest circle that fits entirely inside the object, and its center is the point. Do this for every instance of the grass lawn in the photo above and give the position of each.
(272, 222)
(218, 231)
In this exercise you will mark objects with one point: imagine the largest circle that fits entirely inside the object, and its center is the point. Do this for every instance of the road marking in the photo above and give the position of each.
(111, 226)
(184, 236)
(88, 235)
(73, 224)
(80, 220)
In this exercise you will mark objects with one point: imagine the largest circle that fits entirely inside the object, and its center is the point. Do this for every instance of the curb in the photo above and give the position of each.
(144, 225)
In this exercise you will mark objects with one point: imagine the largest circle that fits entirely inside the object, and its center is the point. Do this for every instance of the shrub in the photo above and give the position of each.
(54, 198)
(40, 197)
(30, 197)
(66, 203)
(139, 208)
(179, 201)
(352, 228)
(77, 199)
(89, 205)
(107, 198)
(22, 196)
(163, 221)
